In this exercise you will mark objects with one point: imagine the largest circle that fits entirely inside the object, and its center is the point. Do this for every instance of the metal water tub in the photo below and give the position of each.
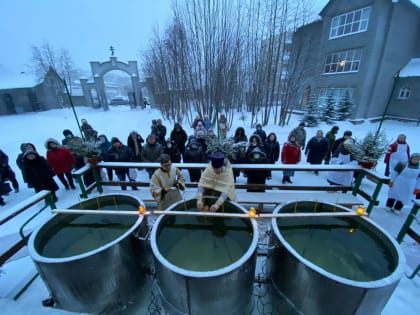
(331, 265)
(93, 263)
(205, 265)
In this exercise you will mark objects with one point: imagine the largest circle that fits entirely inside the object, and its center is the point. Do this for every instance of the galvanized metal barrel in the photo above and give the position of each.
(205, 265)
(331, 265)
(93, 263)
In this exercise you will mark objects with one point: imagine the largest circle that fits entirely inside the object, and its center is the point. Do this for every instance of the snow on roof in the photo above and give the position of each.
(18, 80)
(411, 69)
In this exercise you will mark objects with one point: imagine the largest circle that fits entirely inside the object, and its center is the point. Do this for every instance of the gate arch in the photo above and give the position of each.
(99, 70)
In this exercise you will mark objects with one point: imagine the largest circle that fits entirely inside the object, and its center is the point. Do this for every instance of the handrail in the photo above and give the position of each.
(19, 208)
(410, 219)
(362, 173)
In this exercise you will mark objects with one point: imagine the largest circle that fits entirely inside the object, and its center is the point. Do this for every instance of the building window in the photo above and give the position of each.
(349, 23)
(404, 93)
(337, 94)
(343, 61)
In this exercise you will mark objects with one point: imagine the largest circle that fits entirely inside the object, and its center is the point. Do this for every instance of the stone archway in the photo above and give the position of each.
(98, 72)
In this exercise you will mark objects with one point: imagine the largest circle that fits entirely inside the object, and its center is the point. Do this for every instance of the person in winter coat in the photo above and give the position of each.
(19, 160)
(195, 122)
(240, 140)
(6, 172)
(207, 122)
(330, 136)
(342, 156)
(216, 180)
(172, 150)
(272, 150)
(134, 142)
(290, 154)
(259, 131)
(200, 129)
(151, 152)
(300, 134)
(166, 183)
(194, 153)
(404, 183)
(223, 129)
(89, 133)
(160, 132)
(255, 155)
(39, 173)
(398, 151)
(346, 135)
(73, 143)
(180, 137)
(121, 153)
(61, 161)
(103, 145)
(317, 149)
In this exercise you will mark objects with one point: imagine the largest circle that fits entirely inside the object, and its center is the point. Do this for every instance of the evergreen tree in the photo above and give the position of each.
(311, 118)
(329, 112)
(345, 107)
(371, 148)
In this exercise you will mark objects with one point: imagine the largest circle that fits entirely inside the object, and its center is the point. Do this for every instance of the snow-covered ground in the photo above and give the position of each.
(119, 122)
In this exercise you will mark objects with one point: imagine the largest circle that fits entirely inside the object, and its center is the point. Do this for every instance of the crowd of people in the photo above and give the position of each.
(161, 146)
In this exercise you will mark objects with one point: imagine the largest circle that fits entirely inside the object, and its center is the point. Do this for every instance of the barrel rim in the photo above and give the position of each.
(394, 276)
(35, 255)
(203, 274)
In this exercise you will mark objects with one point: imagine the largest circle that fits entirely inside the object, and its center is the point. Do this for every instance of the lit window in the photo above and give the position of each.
(343, 61)
(350, 23)
(404, 93)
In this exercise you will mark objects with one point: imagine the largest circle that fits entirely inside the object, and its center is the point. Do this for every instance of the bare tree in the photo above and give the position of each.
(46, 56)
(219, 55)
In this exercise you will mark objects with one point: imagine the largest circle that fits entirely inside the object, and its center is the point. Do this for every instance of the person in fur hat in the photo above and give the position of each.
(255, 155)
(19, 160)
(39, 173)
(61, 161)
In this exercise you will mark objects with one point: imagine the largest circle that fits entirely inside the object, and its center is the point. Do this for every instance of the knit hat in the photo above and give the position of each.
(29, 152)
(348, 133)
(115, 139)
(335, 128)
(217, 159)
(67, 132)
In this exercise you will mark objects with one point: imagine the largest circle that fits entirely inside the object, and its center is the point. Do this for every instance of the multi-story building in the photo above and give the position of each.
(358, 48)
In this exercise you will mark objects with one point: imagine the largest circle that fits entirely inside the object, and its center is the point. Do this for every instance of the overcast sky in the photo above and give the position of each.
(86, 28)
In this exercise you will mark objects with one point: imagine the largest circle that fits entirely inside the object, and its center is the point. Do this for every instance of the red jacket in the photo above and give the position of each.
(393, 148)
(61, 160)
(290, 153)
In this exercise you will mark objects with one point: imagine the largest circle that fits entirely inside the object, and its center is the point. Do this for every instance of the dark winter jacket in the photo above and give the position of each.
(60, 159)
(161, 133)
(240, 135)
(120, 154)
(255, 155)
(317, 149)
(194, 152)
(151, 153)
(103, 148)
(180, 137)
(38, 173)
(173, 151)
(132, 139)
(272, 149)
(259, 131)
